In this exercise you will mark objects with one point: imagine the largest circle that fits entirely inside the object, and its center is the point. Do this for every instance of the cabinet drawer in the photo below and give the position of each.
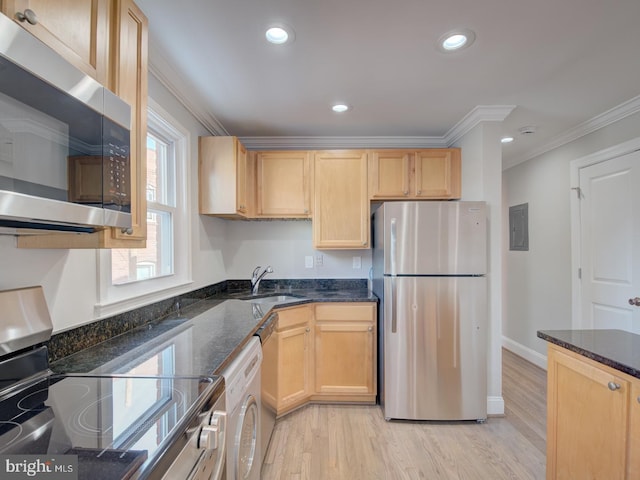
(343, 311)
(288, 318)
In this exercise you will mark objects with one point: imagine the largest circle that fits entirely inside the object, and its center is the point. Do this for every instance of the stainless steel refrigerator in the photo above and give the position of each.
(429, 266)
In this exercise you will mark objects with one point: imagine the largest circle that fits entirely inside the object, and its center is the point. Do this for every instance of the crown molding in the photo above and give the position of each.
(158, 65)
(481, 113)
(326, 143)
(625, 109)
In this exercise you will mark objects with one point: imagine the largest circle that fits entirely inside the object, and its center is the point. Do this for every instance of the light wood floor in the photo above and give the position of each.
(356, 443)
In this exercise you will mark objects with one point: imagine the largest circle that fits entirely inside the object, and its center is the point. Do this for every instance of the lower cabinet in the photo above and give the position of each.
(294, 364)
(593, 419)
(345, 351)
(324, 352)
(633, 462)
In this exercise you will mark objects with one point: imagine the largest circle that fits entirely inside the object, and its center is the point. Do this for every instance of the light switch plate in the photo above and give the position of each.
(308, 261)
(319, 260)
(357, 262)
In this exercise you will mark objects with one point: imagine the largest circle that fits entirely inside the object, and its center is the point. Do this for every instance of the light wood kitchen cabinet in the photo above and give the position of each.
(225, 177)
(588, 433)
(415, 174)
(295, 357)
(129, 81)
(345, 351)
(438, 173)
(283, 184)
(324, 352)
(77, 29)
(340, 200)
(633, 464)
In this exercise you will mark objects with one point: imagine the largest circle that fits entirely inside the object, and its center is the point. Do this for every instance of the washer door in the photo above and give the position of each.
(247, 440)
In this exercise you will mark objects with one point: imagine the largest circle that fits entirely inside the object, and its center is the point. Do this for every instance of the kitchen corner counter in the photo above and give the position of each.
(617, 349)
(205, 336)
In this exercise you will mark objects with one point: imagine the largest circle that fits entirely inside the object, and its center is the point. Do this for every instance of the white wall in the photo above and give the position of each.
(284, 245)
(538, 281)
(481, 180)
(68, 277)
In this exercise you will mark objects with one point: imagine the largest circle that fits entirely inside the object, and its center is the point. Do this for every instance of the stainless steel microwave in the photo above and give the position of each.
(64, 142)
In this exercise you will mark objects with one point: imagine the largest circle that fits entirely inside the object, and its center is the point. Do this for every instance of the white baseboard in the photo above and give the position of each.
(495, 406)
(525, 352)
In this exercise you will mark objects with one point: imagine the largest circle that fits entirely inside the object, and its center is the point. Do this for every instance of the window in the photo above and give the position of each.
(165, 263)
(130, 265)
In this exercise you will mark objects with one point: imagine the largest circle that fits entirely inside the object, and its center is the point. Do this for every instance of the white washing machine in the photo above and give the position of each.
(242, 378)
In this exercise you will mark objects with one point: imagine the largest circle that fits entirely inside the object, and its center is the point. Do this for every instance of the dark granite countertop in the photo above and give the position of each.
(205, 336)
(615, 348)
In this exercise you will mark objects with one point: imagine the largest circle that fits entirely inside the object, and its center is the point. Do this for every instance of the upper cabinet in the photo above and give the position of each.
(129, 60)
(225, 177)
(77, 29)
(332, 187)
(129, 82)
(283, 184)
(415, 174)
(340, 201)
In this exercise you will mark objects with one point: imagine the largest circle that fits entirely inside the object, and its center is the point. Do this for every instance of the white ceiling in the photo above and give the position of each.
(561, 63)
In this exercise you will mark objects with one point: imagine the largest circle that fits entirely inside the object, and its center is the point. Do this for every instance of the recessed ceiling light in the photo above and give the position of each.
(340, 108)
(279, 34)
(456, 40)
(506, 139)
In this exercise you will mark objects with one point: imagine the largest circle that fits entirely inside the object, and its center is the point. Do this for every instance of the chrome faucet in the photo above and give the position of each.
(256, 277)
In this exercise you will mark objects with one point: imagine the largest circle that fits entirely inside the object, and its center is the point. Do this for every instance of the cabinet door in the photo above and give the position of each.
(77, 29)
(345, 349)
(389, 174)
(294, 357)
(130, 84)
(224, 178)
(283, 185)
(437, 173)
(341, 203)
(587, 410)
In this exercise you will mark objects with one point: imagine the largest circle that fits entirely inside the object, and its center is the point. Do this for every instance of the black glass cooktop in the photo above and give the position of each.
(117, 424)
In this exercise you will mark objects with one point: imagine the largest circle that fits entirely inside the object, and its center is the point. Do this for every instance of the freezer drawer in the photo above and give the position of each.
(435, 348)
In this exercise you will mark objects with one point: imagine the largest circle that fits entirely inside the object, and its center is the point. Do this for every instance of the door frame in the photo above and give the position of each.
(574, 181)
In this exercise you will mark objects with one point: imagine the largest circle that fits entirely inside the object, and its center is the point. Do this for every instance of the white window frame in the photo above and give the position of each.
(113, 299)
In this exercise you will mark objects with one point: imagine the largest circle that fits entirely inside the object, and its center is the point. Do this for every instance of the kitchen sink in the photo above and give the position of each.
(273, 299)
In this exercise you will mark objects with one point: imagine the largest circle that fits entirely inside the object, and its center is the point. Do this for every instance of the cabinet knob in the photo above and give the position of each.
(419, 192)
(127, 231)
(370, 329)
(613, 386)
(635, 301)
(307, 329)
(28, 16)
(405, 193)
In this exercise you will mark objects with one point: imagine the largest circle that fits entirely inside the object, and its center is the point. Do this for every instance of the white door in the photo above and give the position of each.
(610, 243)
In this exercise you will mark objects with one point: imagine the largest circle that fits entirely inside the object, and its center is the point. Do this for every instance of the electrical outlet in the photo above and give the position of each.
(308, 261)
(319, 260)
(357, 262)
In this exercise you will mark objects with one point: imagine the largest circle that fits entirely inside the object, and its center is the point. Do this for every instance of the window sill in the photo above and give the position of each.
(108, 309)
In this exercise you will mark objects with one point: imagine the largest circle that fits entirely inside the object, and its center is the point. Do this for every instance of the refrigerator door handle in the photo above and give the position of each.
(393, 247)
(394, 319)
